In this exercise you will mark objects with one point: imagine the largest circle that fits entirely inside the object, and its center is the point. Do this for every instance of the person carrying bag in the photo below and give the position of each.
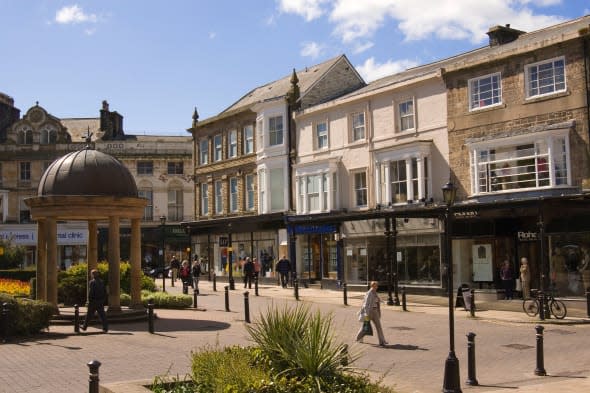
(371, 311)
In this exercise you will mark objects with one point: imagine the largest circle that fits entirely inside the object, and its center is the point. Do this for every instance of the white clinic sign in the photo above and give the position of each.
(28, 237)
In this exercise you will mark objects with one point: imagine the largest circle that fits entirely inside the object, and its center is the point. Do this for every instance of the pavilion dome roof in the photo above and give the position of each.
(87, 172)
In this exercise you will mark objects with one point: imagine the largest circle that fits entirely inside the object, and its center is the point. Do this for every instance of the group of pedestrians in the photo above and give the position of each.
(188, 274)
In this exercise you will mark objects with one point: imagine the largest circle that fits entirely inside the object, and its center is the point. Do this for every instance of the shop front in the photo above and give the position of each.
(552, 233)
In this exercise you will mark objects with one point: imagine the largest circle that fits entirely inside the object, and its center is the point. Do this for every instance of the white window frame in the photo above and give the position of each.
(175, 204)
(24, 171)
(204, 151)
(545, 78)
(262, 191)
(148, 210)
(233, 194)
(501, 166)
(406, 116)
(485, 91)
(218, 186)
(248, 132)
(358, 131)
(276, 134)
(360, 189)
(313, 192)
(145, 168)
(321, 135)
(232, 144)
(249, 188)
(217, 148)
(204, 199)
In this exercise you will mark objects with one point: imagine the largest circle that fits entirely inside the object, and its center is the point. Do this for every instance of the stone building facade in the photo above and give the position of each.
(518, 142)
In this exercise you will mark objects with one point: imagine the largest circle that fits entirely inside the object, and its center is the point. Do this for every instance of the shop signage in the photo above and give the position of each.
(29, 237)
(312, 229)
(527, 236)
(466, 214)
(223, 241)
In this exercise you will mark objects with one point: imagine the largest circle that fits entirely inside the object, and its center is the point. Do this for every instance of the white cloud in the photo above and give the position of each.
(311, 49)
(360, 48)
(371, 71)
(212, 35)
(355, 20)
(74, 14)
(308, 9)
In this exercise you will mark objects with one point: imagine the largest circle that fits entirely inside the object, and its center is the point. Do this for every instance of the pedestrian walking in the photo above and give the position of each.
(248, 271)
(97, 296)
(196, 272)
(185, 276)
(257, 267)
(283, 268)
(174, 268)
(507, 279)
(371, 311)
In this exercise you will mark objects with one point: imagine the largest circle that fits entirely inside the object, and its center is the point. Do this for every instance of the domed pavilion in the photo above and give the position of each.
(87, 185)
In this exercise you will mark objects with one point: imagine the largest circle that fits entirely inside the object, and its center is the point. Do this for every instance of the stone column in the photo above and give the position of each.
(52, 261)
(114, 265)
(92, 254)
(41, 260)
(135, 263)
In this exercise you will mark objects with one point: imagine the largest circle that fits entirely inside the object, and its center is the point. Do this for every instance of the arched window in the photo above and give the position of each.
(48, 134)
(24, 135)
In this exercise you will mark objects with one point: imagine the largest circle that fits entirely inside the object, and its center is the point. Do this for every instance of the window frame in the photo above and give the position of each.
(250, 192)
(175, 168)
(217, 148)
(24, 173)
(233, 194)
(401, 115)
(496, 93)
(204, 199)
(204, 152)
(142, 166)
(322, 135)
(248, 134)
(354, 127)
(176, 204)
(232, 144)
(148, 210)
(363, 189)
(528, 74)
(218, 189)
(276, 135)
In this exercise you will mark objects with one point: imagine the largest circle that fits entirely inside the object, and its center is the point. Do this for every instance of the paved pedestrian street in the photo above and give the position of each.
(412, 362)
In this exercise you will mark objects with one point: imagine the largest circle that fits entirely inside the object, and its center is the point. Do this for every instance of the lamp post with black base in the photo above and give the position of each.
(451, 382)
(163, 225)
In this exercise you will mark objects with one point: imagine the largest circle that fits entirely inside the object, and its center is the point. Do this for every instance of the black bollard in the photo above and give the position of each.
(345, 293)
(540, 370)
(256, 285)
(4, 320)
(151, 316)
(93, 367)
(226, 298)
(195, 295)
(541, 298)
(296, 288)
(76, 318)
(471, 379)
(472, 305)
(246, 307)
(588, 302)
(214, 283)
(404, 304)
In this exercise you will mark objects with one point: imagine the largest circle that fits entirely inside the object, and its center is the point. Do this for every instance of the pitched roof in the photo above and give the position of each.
(279, 88)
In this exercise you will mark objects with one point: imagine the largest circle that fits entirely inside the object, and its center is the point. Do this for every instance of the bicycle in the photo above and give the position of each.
(532, 305)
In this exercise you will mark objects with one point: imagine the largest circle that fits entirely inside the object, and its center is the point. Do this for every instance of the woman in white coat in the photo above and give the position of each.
(371, 311)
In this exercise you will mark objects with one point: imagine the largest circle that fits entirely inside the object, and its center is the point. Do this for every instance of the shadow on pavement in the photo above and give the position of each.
(173, 325)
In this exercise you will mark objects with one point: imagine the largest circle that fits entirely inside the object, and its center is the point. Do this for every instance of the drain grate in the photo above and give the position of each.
(518, 346)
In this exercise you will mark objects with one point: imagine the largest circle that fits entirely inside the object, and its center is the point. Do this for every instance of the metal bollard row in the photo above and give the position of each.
(540, 369)
(256, 285)
(4, 322)
(345, 293)
(93, 386)
(214, 283)
(404, 304)
(76, 318)
(471, 379)
(150, 312)
(296, 288)
(246, 307)
(195, 295)
(226, 288)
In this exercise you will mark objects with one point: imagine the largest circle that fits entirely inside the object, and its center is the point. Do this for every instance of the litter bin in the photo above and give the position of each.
(467, 298)
(460, 300)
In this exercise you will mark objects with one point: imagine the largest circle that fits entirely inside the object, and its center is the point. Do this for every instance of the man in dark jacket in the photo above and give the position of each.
(248, 272)
(97, 296)
(283, 268)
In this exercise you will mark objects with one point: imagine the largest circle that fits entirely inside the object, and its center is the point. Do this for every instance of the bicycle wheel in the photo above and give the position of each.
(558, 309)
(530, 307)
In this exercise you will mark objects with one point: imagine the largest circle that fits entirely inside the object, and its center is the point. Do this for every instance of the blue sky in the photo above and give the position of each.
(154, 61)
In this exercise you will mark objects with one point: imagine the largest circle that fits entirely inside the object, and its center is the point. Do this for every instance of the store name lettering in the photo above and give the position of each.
(527, 236)
(466, 214)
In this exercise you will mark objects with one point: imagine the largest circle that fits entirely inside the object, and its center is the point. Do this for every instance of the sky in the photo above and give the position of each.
(155, 61)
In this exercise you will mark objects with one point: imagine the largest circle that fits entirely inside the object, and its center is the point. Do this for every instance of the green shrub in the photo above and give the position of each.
(12, 255)
(72, 283)
(165, 300)
(125, 299)
(27, 316)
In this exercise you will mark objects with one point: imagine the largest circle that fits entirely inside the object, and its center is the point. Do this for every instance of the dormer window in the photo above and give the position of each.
(24, 135)
(48, 135)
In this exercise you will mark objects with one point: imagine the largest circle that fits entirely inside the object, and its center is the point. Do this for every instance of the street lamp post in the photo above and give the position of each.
(163, 226)
(451, 382)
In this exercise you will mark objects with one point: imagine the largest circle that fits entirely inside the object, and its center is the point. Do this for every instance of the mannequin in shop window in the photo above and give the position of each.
(507, 279)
